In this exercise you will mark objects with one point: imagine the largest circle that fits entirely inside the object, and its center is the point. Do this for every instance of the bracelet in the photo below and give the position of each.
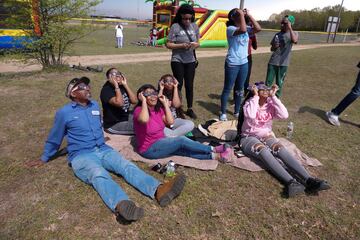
(117, 88)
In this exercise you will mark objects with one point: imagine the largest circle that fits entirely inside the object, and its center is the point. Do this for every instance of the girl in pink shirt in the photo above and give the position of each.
(258, 141)
(151, 115)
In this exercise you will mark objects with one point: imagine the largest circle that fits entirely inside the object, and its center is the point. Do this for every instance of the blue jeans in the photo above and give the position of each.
(92, 168)
(238, 74)
(348, 99)
(181, 146)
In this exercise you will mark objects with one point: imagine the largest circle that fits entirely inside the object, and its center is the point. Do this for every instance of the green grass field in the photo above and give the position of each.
(51, 203)
(102, 41)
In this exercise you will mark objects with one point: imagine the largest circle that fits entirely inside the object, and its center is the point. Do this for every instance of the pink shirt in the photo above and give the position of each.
(147, 134)
(258, 120)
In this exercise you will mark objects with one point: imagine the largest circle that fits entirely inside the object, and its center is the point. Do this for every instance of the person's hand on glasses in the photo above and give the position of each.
(141, 97)
(254, 90)
(162, 84)
(175, 83)
(273, 90)
(123, 80)
(164, 101)
(113, 79)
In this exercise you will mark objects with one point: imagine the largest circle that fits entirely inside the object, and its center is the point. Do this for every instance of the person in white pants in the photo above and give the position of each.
(168, 86)
(119, 35)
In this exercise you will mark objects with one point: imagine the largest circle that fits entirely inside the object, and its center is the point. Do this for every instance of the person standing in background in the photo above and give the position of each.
(153, 38)
(281, 46)
(119, 35)
(252, 27)
(236, 62)
(183, 39)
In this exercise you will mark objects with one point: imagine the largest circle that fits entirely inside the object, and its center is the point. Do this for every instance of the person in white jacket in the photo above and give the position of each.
(119, 35)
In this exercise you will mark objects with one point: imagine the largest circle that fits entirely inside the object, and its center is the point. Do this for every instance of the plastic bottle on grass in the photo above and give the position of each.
(290, 130)
(170, 169)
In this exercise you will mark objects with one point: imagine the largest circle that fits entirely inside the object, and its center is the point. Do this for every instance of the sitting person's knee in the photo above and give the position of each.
(96, 173)
(257, 148)
(275, 148)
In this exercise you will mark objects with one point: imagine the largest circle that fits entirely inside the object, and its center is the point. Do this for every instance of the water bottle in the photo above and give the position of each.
(290, 130)
(170, 169)
(277, 40)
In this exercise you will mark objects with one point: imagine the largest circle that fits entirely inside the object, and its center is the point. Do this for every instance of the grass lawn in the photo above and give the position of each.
(51, 203)
(103, 41)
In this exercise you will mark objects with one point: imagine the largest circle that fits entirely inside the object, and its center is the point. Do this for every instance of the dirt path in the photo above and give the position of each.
(17, 66)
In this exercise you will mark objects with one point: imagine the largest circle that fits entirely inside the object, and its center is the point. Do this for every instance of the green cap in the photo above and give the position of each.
(291, 19)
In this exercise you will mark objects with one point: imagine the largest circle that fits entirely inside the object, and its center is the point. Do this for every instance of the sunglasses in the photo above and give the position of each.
(168, 81)
(150, 94)
(81, 86)
(116, 74)
(186, 19)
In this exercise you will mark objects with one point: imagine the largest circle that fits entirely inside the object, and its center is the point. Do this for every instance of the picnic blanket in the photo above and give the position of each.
(125, 145)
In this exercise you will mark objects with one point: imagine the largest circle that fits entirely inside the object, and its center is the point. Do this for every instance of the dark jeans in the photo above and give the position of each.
(185, 72)
(348, 99)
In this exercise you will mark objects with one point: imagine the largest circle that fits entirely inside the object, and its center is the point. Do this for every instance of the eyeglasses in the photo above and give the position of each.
(168, 81)
(81, 86)
(116, 74)
(150, 94)
(186, 19)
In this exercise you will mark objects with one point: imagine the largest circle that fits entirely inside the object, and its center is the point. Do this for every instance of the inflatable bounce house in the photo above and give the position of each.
(12, 36)
(212, 23)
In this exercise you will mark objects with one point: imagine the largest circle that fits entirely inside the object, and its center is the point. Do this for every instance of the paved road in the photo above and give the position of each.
(17, 66)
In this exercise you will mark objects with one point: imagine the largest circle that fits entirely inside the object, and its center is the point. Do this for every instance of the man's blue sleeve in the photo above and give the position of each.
(55, 137)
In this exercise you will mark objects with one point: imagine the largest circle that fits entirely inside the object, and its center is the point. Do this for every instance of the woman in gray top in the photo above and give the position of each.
(183, 38)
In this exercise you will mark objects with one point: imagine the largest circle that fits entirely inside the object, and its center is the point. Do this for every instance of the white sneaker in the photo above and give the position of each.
(223, 117)
(333, 118)
(236, 115)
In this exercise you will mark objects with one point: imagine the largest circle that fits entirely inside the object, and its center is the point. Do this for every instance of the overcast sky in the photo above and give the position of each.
(260, 9)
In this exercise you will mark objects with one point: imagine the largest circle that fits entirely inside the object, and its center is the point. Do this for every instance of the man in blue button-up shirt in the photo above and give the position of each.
(91, 159)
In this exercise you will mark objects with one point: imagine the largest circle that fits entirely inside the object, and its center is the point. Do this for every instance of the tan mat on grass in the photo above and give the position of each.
(125, 145)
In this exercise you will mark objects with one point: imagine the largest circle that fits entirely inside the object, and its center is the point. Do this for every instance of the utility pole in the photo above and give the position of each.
(242, 4)
(357, 27)
(338, 20)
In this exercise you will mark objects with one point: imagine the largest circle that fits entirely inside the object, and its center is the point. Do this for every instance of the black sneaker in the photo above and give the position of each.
(127, 210)
(191, 113)
(314, 185)
(294, 188)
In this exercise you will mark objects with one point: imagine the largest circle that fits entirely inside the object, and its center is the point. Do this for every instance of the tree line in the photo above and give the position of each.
(316, 19)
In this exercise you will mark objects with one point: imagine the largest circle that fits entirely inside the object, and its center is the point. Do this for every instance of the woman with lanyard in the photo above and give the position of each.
(183, 38)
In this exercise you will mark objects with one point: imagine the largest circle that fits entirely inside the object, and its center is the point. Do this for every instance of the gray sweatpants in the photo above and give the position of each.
(180, 128)
(267, 156)
(122, 128)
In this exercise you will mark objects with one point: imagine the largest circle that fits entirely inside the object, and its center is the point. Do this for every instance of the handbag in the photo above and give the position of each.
(190, 39)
